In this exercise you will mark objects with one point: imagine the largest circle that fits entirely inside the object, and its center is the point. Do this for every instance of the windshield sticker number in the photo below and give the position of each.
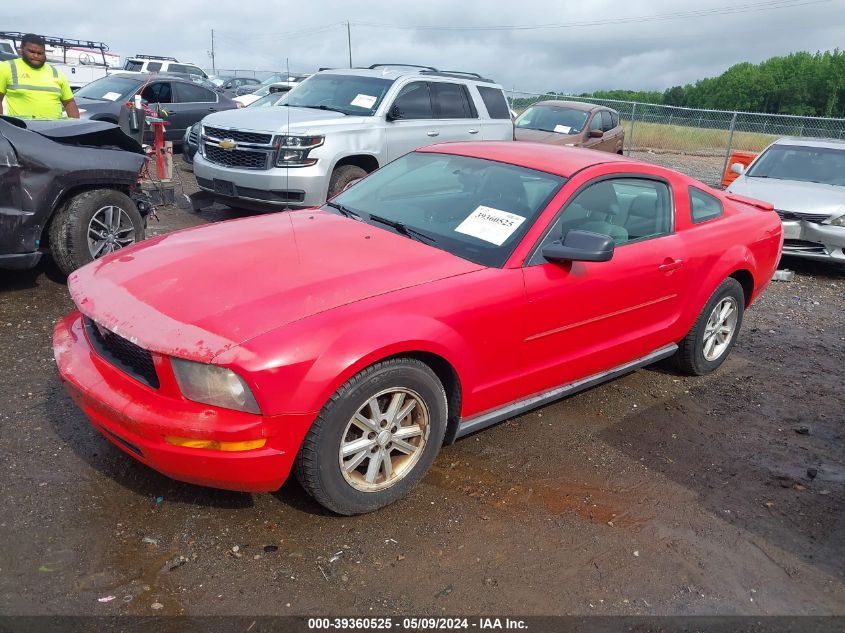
(491, 225)
(364, 101)
(112, 96)
(562, 129)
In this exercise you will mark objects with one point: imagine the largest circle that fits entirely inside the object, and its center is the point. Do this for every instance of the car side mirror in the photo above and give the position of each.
(393, 113)
(580, 246)
(596, 133)
(738, 168)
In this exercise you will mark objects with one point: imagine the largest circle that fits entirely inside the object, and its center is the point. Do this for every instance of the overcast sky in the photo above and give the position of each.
(645, 48)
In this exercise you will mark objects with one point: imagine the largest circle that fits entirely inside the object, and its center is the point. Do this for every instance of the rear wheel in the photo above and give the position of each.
(92, 224)
(375, 438)
(710, 341)
(342, 176)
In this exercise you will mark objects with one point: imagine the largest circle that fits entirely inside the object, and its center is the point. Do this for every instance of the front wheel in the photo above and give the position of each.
(92, 224)
(342, 176)
(375, 438)
(710, 340)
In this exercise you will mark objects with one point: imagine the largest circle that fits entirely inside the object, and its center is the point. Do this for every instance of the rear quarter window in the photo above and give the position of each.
(703, 206)
(495, 102)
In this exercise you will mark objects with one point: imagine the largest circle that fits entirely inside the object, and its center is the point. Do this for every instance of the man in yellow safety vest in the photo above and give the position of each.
(30, 88)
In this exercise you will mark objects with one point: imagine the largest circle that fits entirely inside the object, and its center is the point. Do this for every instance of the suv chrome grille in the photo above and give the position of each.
(123, 354)
(246, 159)
(239, 136)
(789, 216)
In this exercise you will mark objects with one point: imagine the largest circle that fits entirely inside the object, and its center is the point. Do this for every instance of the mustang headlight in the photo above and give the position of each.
(293, 150)
(215, 385)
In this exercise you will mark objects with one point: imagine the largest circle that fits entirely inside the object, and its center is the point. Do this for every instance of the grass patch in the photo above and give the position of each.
(682, 138)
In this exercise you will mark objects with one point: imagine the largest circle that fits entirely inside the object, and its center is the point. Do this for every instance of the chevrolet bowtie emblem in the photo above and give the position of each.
(228, 143)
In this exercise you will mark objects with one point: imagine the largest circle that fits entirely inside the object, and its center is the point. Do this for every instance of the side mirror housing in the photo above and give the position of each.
(580, 246)
(596, 134)
(738, 168)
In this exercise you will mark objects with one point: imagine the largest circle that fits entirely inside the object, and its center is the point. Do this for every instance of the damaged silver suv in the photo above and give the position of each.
(337, 126)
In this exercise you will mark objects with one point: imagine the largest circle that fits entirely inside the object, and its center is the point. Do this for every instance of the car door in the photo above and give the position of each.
(588, 317)
(410, 120)
(193, 102)
(455, 112)
(159, 96)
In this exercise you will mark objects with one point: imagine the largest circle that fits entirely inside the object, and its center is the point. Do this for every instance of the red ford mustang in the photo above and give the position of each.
(458, 286)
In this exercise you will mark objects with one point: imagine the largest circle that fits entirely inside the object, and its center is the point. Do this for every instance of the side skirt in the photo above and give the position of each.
(489, 418)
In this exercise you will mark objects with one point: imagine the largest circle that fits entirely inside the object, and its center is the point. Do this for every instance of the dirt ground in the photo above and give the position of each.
(653, 494)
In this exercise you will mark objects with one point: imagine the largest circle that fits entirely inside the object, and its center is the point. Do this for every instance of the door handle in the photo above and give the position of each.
(671, 264)
(473, 131)
(433, 133)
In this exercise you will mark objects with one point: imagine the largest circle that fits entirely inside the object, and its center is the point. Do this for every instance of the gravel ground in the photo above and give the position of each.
(653, 494)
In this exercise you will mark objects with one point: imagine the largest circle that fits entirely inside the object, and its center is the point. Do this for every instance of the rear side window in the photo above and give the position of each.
(495, 102)
(413, 102)
(154, 67)
(182, 68)
(703, 206)
(191, 93)
(133, 66)
(452, 101)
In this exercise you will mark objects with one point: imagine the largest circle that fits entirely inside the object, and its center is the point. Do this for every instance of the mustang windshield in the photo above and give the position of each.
(349, 94)
(473, 208)
(800, 162)
(553, 119)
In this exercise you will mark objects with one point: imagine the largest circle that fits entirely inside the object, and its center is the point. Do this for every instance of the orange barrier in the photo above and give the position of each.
(744, 158)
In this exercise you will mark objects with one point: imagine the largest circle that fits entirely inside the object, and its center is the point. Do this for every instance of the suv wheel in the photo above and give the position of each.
(342, 176)
(92, 224)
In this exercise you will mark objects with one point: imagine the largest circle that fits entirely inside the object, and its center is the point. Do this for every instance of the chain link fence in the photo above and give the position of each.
(696, 142)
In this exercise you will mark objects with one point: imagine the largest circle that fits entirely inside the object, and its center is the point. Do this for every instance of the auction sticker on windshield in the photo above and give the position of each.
(112, 96)
(562, 129)
(491, 225)
(364, 101)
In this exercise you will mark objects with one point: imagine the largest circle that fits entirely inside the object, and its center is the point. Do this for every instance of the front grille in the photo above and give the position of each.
(194, 136)
(123, 354)
(816, 218)
(239, 136)
(236, 157)
(804, 246)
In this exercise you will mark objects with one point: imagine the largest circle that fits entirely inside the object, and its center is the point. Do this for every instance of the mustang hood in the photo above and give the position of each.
(199, 292)
(789, 195)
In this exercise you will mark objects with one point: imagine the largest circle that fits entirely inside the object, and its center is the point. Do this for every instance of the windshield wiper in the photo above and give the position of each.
(322, 107)
(404, 229)
(345, 211)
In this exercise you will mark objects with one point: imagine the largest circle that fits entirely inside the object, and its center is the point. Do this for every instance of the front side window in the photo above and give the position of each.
(803, 163)
(452, 101)
(703, 206)
(413, 102)
(473, 208)
(625, 209)
(596, 123)
(606, 121)
(562, 120)
(348, 94)
(158, 92)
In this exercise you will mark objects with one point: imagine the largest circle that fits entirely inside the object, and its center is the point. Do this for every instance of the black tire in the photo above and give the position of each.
(342, 176)
(317, 465)
(690, 357)
(69, 225)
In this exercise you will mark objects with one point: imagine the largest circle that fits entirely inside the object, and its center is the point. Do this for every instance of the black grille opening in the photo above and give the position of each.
(123, 354)
(236, 158)
(816, 218)
(193, 136)
(238, 136)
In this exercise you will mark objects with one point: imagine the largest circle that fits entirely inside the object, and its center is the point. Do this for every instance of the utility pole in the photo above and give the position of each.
(213, 67)
(349, 41)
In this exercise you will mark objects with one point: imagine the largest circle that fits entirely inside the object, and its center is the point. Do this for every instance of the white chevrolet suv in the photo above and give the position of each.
(338, 126)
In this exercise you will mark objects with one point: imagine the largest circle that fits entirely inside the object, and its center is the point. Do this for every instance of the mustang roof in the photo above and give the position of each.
(554, 159)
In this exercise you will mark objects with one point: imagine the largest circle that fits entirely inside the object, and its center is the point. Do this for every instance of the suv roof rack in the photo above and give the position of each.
(458, 74)
(62, 42)
(374, 66)
(166, 59)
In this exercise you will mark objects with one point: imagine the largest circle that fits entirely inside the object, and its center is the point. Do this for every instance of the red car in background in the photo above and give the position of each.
(456, 287)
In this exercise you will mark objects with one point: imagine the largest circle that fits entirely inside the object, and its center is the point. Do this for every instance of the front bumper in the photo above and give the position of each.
(137, 418)
(279, 186)
(814, 241)
(19, 261)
